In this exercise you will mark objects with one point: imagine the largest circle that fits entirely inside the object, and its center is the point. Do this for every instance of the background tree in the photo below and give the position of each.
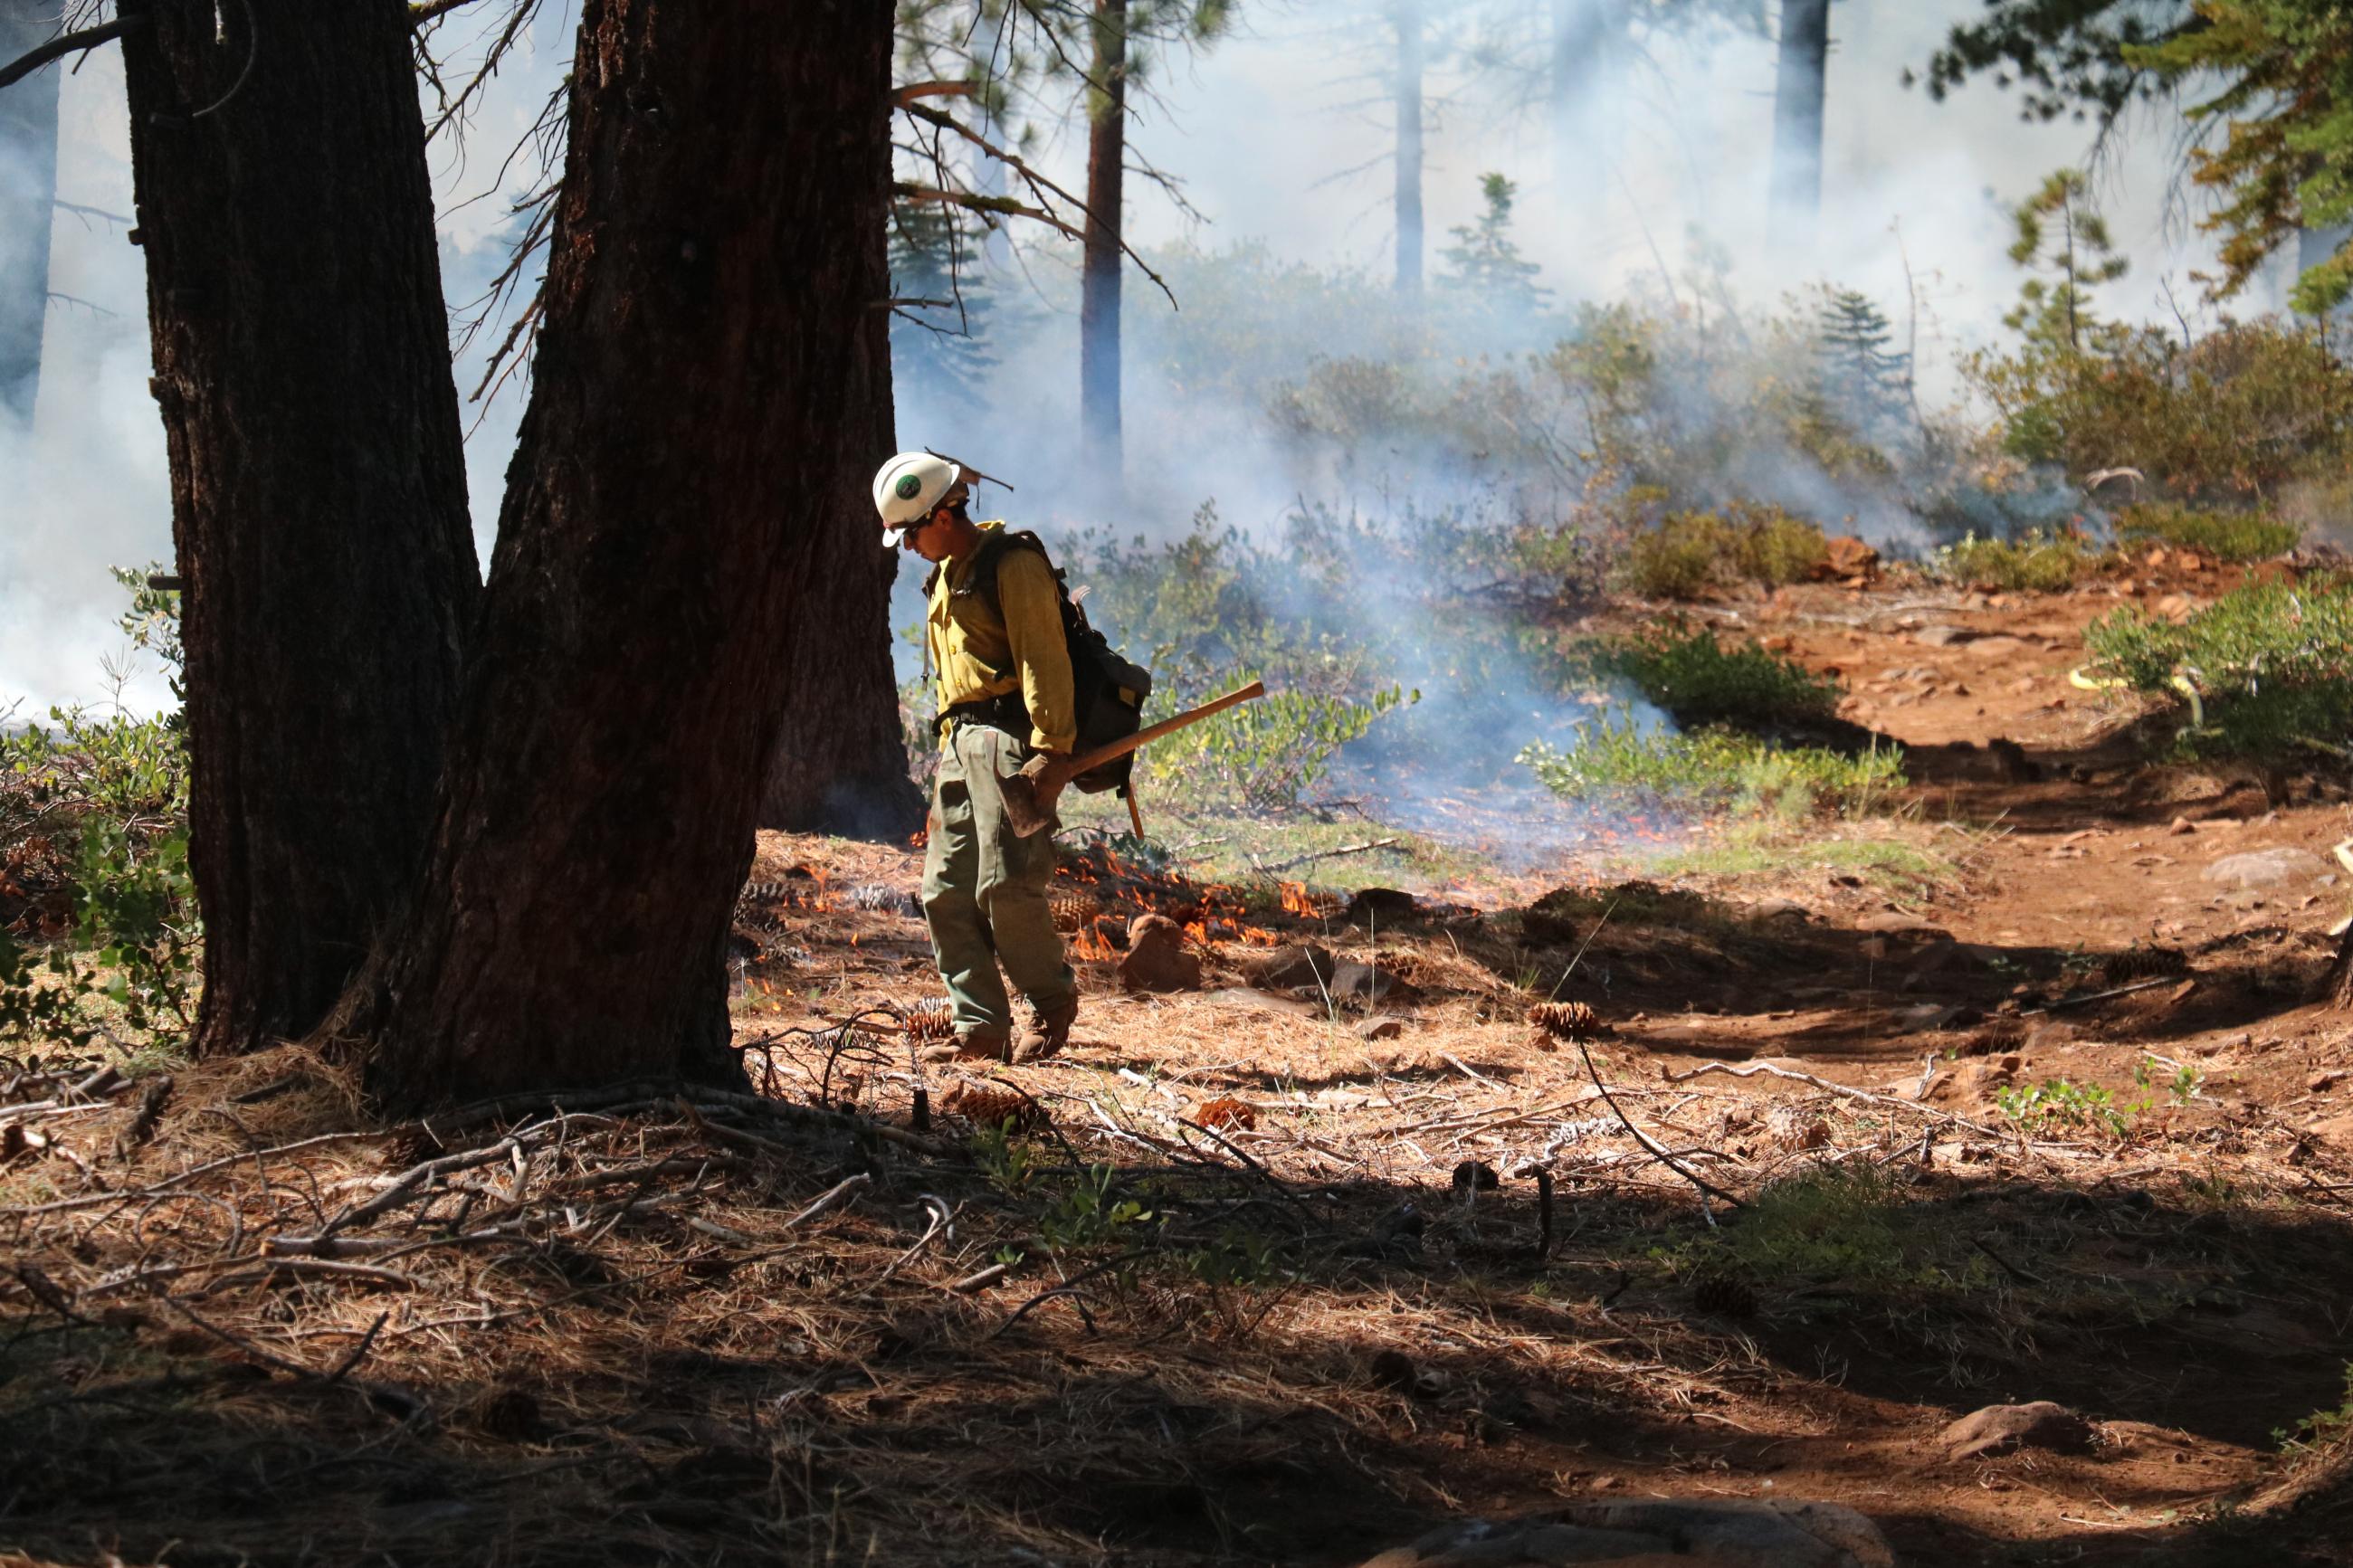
(1800, 84)
(940, 345)
(302, 368)
(1406, 89)
(1865, 381)
(1485, 261)
(1100, 268)
(720, 234)
(2059, 231)
(28, 191)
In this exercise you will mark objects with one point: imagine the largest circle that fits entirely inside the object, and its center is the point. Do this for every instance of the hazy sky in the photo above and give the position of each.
(1255, 130)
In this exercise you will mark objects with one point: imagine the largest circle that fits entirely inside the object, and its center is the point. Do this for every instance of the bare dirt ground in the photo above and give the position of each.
(1311, 1332)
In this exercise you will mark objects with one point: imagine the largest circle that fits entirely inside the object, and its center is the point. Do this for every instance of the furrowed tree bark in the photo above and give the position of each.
(302, 366)
(1099, 388)
(2337, 990)
(1406, 91)
(716, 253)
(29, 193)
(1798, 94)
(839, 763)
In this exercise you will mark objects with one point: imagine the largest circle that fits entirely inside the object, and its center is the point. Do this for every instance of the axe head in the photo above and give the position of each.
(1030, 796)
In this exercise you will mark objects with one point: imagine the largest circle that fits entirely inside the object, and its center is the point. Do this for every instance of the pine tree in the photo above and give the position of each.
(1864, 381)
(939, 334)
(2057, 315)
(1487, 261)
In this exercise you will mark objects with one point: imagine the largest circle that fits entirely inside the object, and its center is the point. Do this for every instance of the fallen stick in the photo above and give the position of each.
(1657, 1149)
(2103, 995)
(1768, 1069)
(1298, 860)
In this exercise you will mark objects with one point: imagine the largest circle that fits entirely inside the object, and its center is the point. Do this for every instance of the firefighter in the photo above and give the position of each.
(994, 634)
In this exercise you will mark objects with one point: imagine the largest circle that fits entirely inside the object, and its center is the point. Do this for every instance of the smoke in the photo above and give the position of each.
(1260, 131)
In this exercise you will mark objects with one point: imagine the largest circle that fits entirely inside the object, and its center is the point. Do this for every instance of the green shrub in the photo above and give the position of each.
(1684, 555)
(2272, 663)
(1701, 680)
(2239, 414)
(1267, 754)
(2033, 563)
(2225, 535)
(110, 795)
(1715, 768)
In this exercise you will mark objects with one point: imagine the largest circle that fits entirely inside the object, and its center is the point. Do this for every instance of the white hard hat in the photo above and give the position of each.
(911, 485)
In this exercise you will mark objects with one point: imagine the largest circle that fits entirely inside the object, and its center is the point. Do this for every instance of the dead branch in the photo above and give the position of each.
(828, 1199)
(913, 90)
(65, 44)
(1751, 1071)
(1298, 860)
(1656, 1149)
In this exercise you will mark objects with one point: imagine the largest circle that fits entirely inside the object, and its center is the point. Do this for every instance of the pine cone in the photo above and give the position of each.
(988, 1106)
(1073, 908)
(2146, 963)
(1225, 1112)
(1567, 1020)
(1724, 1296)
(928, 1023)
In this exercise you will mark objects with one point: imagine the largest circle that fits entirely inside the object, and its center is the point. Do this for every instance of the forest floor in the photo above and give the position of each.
(1234, 1290)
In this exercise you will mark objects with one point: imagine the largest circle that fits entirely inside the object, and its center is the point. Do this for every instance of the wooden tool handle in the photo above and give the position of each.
(1114, 750)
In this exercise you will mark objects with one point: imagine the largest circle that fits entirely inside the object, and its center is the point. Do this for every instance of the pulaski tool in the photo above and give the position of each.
(1030, 794)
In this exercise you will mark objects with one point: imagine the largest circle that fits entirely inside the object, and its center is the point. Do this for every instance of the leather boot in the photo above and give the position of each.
(982, 1044)
(1048, 1031)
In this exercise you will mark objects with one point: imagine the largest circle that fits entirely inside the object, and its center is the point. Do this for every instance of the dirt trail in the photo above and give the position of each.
(2181, 1283)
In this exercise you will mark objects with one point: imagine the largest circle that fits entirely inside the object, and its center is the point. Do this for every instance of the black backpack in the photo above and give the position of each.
(1108, 689)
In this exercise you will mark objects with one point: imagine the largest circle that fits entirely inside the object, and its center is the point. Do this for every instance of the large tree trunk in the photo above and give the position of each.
(719, 248)
(29, 193)
(839, 763)
(1406, 14)
(1798, 90)
(1100, 284)
(301, 364)
(2339, 990)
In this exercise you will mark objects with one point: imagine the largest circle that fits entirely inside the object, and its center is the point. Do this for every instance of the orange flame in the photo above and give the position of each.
(1295, 900)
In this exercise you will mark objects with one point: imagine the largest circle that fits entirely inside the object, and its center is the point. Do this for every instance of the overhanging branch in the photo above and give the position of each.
(65, 44)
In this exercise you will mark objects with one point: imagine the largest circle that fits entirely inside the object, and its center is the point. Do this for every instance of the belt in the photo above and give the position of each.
(1004, 712)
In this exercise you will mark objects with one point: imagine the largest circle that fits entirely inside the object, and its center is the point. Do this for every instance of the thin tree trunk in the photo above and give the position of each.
(989, 177)
(1585, 34)
(1100, 284)
(301, 365)
(1406, 14)
(29, 193)
(1798, 92)
(719, 246)
(2339, 989)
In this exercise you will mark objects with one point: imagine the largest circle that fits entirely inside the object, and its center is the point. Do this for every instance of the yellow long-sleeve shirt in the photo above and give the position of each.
(985, 650)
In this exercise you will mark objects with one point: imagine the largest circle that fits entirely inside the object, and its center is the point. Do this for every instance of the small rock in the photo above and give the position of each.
(1994, 647)
(1778, 909)
(1156, 959)
(1381, 905)
(2323, 1082)
(2182, 825)
(2272, 867)
(1363, 985)
(1942, 637)
(2004, 1428)
(1380, 1029)
(1288, 968)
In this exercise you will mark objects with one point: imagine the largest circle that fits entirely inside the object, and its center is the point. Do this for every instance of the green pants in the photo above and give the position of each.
(985, 887)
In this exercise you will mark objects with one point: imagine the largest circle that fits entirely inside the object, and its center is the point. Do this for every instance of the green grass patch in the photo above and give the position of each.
(2033, 563)
(1898, 868)
(1688, 554)
(1849, 1224)
(1701, 680)
(2233, 536)
(2272, 663)
(1714, 768)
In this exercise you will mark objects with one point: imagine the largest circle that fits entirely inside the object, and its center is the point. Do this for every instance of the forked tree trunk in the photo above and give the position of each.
(716, 260)
(1406, 91)
(1099, 387)
(301, 364)
(1798, 94)
(29, 193)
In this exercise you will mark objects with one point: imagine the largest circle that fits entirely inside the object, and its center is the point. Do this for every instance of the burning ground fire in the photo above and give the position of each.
(1097, 892)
